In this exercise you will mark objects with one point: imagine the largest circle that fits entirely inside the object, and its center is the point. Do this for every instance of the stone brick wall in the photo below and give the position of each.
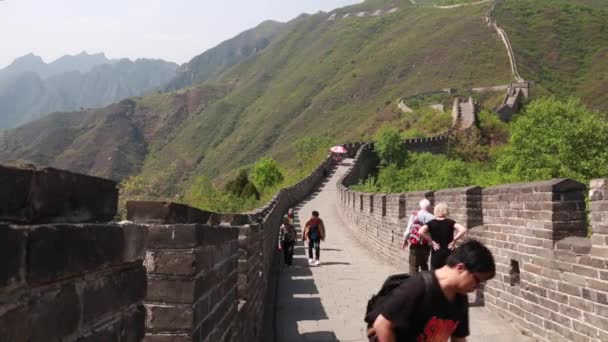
(63, 280)
(211, 276)
(551, 279)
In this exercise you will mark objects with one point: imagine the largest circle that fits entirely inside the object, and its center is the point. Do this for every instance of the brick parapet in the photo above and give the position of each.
(464, 204)
(552, 280)
(72, 282)
(192, 280)
(598, 199)
(35, 196)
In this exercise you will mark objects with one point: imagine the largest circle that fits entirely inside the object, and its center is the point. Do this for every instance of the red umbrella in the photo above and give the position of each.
(338, 149)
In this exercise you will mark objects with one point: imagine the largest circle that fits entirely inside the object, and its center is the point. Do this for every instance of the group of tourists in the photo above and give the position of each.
(430, 235)
(422, 305)
(313, 234)
(431, 306)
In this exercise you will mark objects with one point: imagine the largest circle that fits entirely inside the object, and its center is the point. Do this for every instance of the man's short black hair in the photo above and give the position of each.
(315, 213)
(475, 256)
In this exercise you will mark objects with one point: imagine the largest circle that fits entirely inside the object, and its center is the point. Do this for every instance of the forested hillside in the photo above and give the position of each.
(335, 76)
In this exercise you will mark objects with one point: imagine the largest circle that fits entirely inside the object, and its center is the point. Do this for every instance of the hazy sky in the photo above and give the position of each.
(174, 30)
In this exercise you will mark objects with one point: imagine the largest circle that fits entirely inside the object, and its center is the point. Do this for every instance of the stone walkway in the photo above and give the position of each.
(327, 302)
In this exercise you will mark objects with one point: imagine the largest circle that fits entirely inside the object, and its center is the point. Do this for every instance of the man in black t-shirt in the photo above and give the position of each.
(437, 309)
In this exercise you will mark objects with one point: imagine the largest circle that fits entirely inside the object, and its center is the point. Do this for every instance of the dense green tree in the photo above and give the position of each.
(204, 195)
(389, 146)
(250, 191)
(266, 173)
(556, 138)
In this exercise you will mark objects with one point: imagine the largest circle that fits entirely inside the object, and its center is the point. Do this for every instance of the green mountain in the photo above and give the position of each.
(338, 75)
(213, 61)
(43, 88)
(562, 45)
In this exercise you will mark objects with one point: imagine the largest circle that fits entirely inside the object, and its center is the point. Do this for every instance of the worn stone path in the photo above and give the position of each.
(327, 302)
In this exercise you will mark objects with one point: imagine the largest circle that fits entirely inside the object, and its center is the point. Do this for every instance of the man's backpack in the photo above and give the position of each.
(415, 238)
(313, 232)
(376, 303)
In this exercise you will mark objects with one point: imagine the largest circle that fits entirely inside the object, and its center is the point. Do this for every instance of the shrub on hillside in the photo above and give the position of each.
(242, 187)
(266, 173)
(556, 138)
(389, 147)
(202, 194)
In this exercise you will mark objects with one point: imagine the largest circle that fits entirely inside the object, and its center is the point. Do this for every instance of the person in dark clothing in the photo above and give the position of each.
(443, 234)
(287, 240)
(314, 232)
(435, 310)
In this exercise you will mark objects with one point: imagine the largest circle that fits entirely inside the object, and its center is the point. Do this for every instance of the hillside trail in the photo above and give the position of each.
(327, 302)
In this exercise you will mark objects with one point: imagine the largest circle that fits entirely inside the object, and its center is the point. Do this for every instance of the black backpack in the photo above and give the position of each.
(375, 304)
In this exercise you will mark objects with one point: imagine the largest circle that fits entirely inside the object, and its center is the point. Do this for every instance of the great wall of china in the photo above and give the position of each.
(176, 273)
(68, 272)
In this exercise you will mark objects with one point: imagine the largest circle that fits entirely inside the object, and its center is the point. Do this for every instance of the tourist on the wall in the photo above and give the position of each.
(443, 234)
(291, 216)
(314, 232)
(420, 248)
(433, 306)
(287, 240)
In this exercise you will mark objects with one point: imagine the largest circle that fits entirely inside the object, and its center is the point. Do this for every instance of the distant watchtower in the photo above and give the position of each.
(513, 100)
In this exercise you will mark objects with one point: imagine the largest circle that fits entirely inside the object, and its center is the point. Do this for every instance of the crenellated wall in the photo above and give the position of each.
(551, 279)
(211, 276)
(63, 275)
(68, 273)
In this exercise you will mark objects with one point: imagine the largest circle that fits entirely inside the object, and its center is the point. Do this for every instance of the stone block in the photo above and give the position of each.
(569, 289)
(600, 252)
(212, 235)
(62, 196)
(585, 329)
(172, 263)
(173, 318)
(173, 236)
(14, 191)
(167, 289)
(595, 320)
(51, 195)
(135, 239)
(598, 285)
(579, 245)
(12, 255)
(164, 213)
(47, 318)
(113, 293)
(59, 251)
